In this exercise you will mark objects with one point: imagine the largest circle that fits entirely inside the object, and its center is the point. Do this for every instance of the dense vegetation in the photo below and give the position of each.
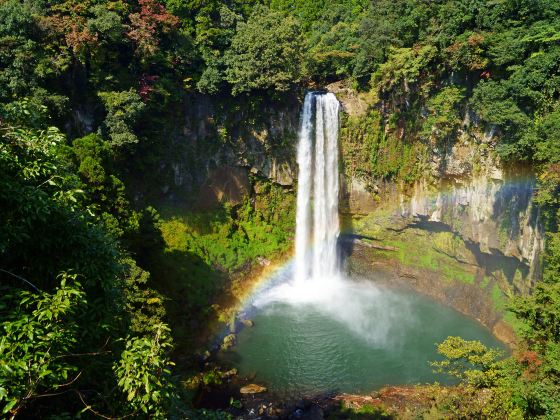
(86, 89)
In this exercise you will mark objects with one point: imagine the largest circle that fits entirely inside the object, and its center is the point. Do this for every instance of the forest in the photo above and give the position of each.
(90, 260)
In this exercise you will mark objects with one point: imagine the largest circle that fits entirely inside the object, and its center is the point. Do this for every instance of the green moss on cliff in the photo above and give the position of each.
(440, 252)
(228, 238)
(374, 148)
(418, 251)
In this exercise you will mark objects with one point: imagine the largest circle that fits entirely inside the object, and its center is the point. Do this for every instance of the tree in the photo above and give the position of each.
(39, 332)
(123, 110)
(213, 40)
(58, 339)
(147, 23)
(443, 113)
(143, 372)
(266, 53)
(471, 361)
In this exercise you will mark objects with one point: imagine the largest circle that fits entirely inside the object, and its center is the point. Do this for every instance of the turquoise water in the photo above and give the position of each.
(355, 338)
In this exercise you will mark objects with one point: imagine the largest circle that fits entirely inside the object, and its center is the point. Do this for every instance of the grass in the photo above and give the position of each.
(500, 303)
(364, 412)
(499, 299)
(485, 282)
(228, 238)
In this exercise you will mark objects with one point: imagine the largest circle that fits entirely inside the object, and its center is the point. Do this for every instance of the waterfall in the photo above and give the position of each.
(317, 259)
(303, 212)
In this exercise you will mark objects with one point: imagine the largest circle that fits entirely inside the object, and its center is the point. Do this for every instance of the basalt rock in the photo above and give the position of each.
(212, 150)
(465, 190)
(224, 185)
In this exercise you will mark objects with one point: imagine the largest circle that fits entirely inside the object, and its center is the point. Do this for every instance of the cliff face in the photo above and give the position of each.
(216, 146)
(460, 227)
(456, 223)
(496, 214)
(463, 188)
(469, 210)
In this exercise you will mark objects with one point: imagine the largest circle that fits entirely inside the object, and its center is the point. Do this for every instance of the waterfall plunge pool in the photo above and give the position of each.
(345, 335)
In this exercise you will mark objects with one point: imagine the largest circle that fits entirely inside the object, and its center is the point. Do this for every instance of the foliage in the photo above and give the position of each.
(443, 114)
(144, 306)
(266, 53)
(527, 384)
(55, 339)
(143, 372)
(151, 19)
(114, 76)
(106, 192)
(228, 238)
(468, 360)
(404, 69)
(547, 147)
(540, 310)
(39, 332)
(375, 148)
(123, 110)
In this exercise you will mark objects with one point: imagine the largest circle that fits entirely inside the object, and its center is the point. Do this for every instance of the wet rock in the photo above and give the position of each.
(247, 323)
(352, 103)
(263, 261)
(229, 341)
(230, 373)
(357, 197)
(252, 389)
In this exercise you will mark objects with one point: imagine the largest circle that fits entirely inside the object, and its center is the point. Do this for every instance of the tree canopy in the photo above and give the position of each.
(88, 91)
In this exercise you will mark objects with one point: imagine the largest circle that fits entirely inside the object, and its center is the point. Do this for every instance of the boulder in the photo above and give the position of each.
(263, 261)
(229, 341)
(230, 373)
(252, 389)
(247, 323)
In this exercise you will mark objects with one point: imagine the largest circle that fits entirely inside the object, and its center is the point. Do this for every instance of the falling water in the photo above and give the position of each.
(318, 178)
(303, 218)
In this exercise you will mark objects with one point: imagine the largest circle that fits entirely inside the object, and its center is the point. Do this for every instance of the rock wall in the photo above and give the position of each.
(464, 189)
(497, 214)
(494, 216)
(220, 143)
(458, 225)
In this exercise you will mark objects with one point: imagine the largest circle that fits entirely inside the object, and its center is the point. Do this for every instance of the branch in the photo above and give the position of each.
(21, 278)
(94, 353)
(88, 408)
(54, 394)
